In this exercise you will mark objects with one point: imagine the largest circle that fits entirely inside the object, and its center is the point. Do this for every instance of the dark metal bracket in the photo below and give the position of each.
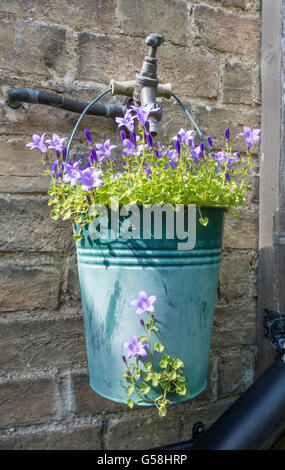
(274, 329)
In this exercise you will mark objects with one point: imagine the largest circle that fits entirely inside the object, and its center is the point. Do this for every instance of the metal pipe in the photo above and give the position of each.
(16, 96)
(256, 420)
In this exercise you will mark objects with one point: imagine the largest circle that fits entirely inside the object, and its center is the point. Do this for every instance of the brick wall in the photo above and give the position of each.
(212, 57)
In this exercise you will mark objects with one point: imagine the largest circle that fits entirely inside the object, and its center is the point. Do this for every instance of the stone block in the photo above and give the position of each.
(237, 279)
(226, 31)
(169, 18)
(28, 284)
(86, 401)
(213, 121)
(78, 14)
(142, 429)
(42, 340)
(236, 372)
(84, 436)
(234, 324)
(238, 83)
(31, 228)
(242, 233)
(32, 48)
(27, 400)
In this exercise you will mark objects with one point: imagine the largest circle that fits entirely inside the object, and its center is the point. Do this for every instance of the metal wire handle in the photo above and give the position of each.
(82, 116)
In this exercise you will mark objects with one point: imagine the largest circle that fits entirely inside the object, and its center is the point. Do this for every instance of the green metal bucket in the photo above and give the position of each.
(111, 274)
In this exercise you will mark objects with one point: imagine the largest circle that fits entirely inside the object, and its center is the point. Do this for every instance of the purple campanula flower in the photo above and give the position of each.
(202, 149)
(157, 153)
(127, 121)
(148, 170)
(105, 149)
(130, 150)
(88, 136)
(92, 157)
(136, 348)
(144, 303)
(64, 153)
(90, 179)
(220, 157)
(227, 133)
(250, 135)
(133, 138)
(210, 143)
(123, 135)
(177, 146)
(72, 172)
(173, 158)
(56, 143)
(38, 142)
(149, 140)
(184, 137)
(144, 112)
(196, 153)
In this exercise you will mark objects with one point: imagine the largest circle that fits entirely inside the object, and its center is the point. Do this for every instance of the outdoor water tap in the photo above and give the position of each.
(146, 87)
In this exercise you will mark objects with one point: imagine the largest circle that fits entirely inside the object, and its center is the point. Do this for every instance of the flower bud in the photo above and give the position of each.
(133, 138)
(227, 134)
(123, 135)
(177, 146)
(149, 140)
(210, 143)
(88, 136)
(146, 126)
(128, 372)
(142, 322)
(124, 358)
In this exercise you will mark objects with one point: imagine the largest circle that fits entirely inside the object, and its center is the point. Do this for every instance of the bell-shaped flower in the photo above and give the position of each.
(38, 143)
(136, 348)
(144, 303)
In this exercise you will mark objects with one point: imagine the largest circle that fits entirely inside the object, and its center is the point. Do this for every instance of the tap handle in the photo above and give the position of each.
(154, 41)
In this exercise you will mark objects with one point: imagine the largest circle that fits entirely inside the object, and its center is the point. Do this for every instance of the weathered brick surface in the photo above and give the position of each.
(237, 275)
(31, 228)
(155, 17)
(236, 371)
(75, 437)
(27, 400)
(227, 32)
(125, 432)
(234, 324)
(31, 48)
(86, 401)
(214, 119)
(27, 285)
(238, 83)
(212, 58)
(97, 15)
(44, 340)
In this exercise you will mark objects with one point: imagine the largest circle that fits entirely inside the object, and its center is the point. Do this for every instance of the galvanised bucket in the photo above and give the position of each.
(112, 273)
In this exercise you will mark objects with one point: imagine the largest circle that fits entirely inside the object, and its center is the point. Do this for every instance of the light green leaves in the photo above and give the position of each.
(158, 347)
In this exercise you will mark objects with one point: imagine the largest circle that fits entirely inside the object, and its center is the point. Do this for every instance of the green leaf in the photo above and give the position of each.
(178, 364)
(204, 221)
(148, 366)
(130, 389)
(158, 347)
(77, 237)
(137, 372)
(142, 339)
(162, 410)
(144, 388)
(130, 403)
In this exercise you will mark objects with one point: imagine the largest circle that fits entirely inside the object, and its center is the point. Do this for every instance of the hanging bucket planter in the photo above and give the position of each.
(112, 272)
